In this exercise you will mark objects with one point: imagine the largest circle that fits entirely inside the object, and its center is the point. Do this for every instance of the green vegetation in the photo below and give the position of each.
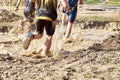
(89, 75)
(106, 59)
(97, 18)
(92, 1)
(94, 68)
(115, 0)
(99, 1)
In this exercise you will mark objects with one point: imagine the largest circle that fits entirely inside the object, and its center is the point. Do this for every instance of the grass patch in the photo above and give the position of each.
(117, 61)
(106, 59)
(97, 18)
(89, 75)
(92, 1)
(115, 0)
(94, 68)
(71, 69)
(110, 2)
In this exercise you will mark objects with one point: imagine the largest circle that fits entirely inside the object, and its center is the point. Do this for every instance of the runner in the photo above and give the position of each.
(29, 12)
(71, 16)
(46, 15)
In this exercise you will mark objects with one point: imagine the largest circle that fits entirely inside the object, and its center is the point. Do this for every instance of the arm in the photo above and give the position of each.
(17, 5)
(59, 3)
(65, 5)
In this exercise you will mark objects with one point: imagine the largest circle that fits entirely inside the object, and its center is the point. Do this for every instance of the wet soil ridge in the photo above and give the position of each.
(6, 20)
(107, 25)
(112, 43)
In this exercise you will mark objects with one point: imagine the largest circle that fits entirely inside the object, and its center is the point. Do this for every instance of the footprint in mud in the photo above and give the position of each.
(65, 53)
(6, 57)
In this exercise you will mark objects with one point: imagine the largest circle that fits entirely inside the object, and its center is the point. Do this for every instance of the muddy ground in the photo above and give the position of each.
(92, 53)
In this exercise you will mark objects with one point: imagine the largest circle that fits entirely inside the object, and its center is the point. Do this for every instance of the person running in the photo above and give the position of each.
(71, 16)
(29, 12)
(63, 15)
(46, 15)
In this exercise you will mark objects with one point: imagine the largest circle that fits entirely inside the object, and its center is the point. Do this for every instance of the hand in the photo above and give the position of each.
(16, 9)
(66, 6)
(58, 7)
(80, 2)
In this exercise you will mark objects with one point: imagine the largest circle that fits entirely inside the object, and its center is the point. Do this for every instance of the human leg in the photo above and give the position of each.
(30, 26)
(29, 18)
(68, 30)
(47, 46)
(22, 23)
(28, 39)
(63, 20)
(31, 36)
(71, 19)
(48, 42)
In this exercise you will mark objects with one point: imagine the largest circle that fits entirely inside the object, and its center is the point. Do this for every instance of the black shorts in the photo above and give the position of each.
(41, 24)
(29, 16)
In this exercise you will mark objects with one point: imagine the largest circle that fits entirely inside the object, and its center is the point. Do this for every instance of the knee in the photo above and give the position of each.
(63, 18)
(49, 37)
(38, 36)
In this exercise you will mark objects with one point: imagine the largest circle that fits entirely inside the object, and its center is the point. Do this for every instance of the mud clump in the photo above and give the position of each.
(7, 20)
(6, 57)
(111, 43)
(106, 25)
(7, 16)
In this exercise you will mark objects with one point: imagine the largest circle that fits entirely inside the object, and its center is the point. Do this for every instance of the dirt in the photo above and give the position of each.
(8, 20)
(90, 54)
(98, 60)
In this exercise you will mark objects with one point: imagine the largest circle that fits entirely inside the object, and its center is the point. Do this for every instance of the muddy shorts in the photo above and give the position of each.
(30, 16)
(41, 24)
(71, 15)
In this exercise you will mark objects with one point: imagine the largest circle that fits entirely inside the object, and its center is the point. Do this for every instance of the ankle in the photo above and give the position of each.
(43, 53)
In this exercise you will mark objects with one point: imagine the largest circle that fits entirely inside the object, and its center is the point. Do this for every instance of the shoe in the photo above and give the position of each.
(27, 54)
(37, 56)
(66, 40)
(22, 25)
(40, 55)
(49, 54)
(37, 52)
(27, 40)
